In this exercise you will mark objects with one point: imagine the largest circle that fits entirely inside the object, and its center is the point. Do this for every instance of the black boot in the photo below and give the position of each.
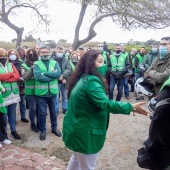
(24, 120)
(6, 135)
(34, 127)
(15, 135)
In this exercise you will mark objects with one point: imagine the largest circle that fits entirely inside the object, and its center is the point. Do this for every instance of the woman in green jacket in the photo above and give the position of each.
(86, 120)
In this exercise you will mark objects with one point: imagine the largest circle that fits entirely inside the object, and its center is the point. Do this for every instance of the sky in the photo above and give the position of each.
(64, 16)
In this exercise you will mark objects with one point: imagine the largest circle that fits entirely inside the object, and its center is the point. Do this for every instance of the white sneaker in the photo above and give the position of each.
(0, 145)
(6, 141)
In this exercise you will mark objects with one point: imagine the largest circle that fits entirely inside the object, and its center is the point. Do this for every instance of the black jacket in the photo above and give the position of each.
(158, 142)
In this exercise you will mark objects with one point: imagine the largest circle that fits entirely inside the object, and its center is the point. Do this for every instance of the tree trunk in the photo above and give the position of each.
(19, 36)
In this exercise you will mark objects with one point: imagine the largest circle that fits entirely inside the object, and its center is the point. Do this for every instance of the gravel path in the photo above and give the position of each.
(125, 136)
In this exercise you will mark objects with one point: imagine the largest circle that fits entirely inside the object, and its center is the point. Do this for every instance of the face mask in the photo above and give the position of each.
(154, 50)
(3, 60)
(74, 60)
(102, 70)
(131, 53)
(13, 57)
(60, 55)
(32, 57)
(68, 54)
(100, 48)
(142, 54)
(45, 58)
(163, 50)
(118, 51)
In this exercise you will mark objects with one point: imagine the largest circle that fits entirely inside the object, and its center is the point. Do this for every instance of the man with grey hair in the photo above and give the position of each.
(65, 67)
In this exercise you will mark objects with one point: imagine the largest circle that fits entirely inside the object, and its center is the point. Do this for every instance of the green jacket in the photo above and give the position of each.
(46, 76)
(87, 118)
(2, 105)
(138, 60)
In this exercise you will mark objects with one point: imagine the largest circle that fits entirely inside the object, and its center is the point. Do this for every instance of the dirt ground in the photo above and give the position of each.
(125, 136)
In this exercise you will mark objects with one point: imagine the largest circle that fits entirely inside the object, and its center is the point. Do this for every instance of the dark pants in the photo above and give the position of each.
(120, 83)
(33, 108)
(22, 106)
(126, 87)
(3, 125)
(42, 112)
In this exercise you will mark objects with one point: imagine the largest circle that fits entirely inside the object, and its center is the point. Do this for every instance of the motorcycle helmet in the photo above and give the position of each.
(151, 106)
(141, 68)
(142, 86)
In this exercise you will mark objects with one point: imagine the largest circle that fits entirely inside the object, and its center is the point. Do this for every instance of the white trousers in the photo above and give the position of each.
(81, 161)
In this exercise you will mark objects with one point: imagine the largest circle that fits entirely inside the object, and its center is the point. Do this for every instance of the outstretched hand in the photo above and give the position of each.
(138, 109)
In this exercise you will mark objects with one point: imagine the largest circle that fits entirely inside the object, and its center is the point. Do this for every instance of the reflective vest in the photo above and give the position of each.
(140, 60)
(72, 66)
(41, 88)
(104, 56)
(118, 63)
(9, 87)
(167, 83)
(29, 84)
(2, 106)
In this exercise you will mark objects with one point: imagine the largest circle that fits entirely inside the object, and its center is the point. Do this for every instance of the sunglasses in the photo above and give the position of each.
(100, 46)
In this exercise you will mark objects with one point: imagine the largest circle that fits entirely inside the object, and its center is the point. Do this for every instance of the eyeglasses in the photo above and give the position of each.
(164, 44)
(100, 46)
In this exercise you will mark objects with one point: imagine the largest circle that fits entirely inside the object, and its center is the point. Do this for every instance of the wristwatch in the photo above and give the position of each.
(133, 109)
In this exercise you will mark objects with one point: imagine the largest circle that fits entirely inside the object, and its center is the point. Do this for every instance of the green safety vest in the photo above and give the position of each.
(9, 87)
(41, 88)
(140, 60)
(104, 56)
(29, 84)
(72, 66)
(118, 64)
(166, 83)
(2, 105)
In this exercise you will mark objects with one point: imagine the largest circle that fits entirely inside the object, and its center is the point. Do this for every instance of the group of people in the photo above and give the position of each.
(41, 78)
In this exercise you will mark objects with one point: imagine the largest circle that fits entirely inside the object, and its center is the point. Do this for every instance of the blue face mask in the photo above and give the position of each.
(68, 54)
(154, 50)
(13, 57)
(60, 55)
(131, 53)
(162, 51)
(100, 48)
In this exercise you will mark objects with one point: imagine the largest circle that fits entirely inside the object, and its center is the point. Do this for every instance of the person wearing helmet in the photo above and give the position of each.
(159, 70)
(155, 154)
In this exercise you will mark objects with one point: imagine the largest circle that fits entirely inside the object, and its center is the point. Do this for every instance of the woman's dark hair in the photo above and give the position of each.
(28, 52)
(85, 66)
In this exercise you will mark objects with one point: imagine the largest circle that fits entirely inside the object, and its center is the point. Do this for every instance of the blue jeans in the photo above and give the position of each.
(62, 88)
(138, 75)
(126, 87)
(22, 106)
(33, 108)
(11, 116)
(42, 110)
(120, 83)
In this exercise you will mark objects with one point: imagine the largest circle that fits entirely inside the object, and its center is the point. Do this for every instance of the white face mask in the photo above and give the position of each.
(13, 57)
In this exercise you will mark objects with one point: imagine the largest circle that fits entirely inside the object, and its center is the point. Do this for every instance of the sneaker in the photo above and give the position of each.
(6, 142)
(24, 120)
(15, 135)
